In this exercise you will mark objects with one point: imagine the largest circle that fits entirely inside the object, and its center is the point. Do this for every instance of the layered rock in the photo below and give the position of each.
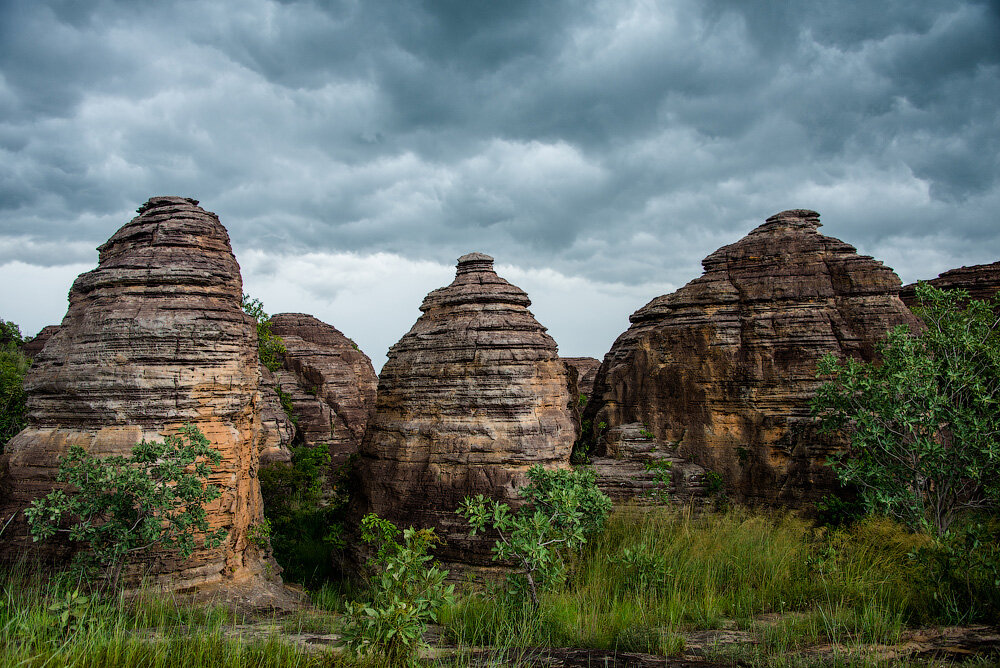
(982, 281)
(32, 347)
(154, 338)
(277, 430)
(723, 370)
(329, 382)
(586, 372)
(469, 399)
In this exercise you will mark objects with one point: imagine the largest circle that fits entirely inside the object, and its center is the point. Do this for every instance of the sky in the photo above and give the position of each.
(598, 150)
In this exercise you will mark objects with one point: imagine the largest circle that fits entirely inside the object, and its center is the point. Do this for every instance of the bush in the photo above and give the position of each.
(13, 399)
(923, 422)
(407, 591)
(269, 345)
(562, 508)
(119, 508)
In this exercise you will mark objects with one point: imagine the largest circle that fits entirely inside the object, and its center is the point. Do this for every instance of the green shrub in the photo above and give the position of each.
(13, 366)
(269, 345)
(407, 591)
(562, 508)
(118, 508)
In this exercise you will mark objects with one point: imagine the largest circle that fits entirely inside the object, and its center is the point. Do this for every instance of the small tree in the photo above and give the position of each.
(269, 345)
(407, 592)
(13, 366)
(562, 508)
(923, 422)
(120, 507)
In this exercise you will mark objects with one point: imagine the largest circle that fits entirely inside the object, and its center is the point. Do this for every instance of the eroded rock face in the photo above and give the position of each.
(470, 398)
(981, 280)
(723, 370)
(586, 372)
(154, 338)
(331, 384)
(36, 344)
(277, 429)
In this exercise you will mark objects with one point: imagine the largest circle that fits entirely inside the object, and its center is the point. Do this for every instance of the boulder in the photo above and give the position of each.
(722, 371)
(982, 281)
(154, 338)
(329, 383)
(469, 399)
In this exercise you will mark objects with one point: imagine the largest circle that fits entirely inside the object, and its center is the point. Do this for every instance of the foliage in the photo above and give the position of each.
(662, 470)
(923, 423)
(407, 591)
(120, 507)
(269, 345)
(306, 524)
(259, 534)
(13, 366)
(562, 508)
(70, 611)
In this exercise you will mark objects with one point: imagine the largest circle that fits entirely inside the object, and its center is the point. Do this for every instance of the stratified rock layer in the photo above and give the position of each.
(586, 372)
(154, 338)
(470, 398)
(723, 370)
(331, 384)
(982, 281)
(37, 343)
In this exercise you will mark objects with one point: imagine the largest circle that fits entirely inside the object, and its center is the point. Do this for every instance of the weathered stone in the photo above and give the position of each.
(724, 368)
(469, 399)
(586, 372)
(982, 281)
(154, 338)
(34, 346)
(277, 429)
(330, 383)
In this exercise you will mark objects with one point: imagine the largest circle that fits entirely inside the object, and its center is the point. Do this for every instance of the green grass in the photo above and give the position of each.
(653, 574)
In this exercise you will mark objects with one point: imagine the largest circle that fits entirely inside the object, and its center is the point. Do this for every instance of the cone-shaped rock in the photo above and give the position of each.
(330, 383)
(723, 369)
(154, 338)
(470, 398)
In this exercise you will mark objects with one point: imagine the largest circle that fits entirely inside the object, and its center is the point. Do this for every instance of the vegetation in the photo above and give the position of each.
(923, 422)
(13, 366)
(269, 345)
(562, 508)
(406, 591)
(118, 508)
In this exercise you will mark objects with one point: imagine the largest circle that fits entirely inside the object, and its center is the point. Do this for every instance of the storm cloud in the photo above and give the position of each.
(598, 150)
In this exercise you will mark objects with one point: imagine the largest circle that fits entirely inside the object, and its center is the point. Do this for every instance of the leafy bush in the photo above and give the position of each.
(269, 345)
(923, 422)
(13, 366)
(562, 508)
(407, 591)
(305, 524)
(120, 507)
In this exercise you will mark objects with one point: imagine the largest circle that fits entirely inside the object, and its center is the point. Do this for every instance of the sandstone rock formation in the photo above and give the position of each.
(981, 280)
(277, 429)
(330, 383)
(470, 398)
(154, 338)
(34, 346)
(586, 372)
(723, 369)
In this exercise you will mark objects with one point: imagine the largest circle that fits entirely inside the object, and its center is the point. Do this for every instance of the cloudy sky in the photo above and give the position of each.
(598, 150)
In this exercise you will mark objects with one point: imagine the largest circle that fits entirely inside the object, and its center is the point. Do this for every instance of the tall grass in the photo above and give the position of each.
(653, 574)
(118, 631)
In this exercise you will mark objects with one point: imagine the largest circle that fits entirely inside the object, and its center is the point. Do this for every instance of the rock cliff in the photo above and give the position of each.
(330, 383)
(470, 398)
(37, 343)
(723, 370)
(154, 338)
(981, 280)
(586, 372)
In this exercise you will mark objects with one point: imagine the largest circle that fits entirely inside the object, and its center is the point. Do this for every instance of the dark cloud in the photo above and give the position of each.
(615, 141)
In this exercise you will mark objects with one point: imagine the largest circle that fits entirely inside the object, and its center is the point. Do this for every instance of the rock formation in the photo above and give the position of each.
(723, 369)
(470, 398)
(981, 280)
(35, 345)
(277, 429)
(330, 383)
(154, 338)
(586, 372)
